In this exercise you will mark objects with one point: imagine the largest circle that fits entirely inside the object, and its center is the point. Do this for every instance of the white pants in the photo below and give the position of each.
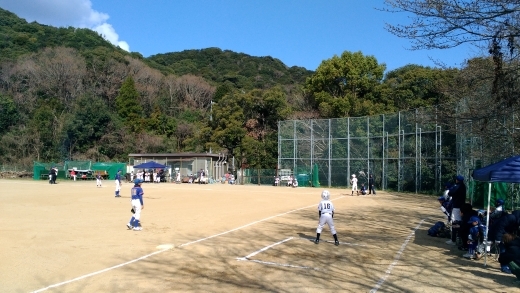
(136, 205)
(455, 215)
(326, 218)
(354, 187)
(98, 182)
(118, 186)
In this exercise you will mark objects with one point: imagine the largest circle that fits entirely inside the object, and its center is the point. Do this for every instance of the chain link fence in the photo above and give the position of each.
(409, 151)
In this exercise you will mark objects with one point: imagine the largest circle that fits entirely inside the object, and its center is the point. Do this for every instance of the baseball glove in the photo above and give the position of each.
(132, 210)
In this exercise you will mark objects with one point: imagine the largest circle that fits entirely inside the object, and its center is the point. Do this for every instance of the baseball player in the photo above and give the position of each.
(326, 212)
(137, 205)
(98, 179)
(118, 183)
(353, 182)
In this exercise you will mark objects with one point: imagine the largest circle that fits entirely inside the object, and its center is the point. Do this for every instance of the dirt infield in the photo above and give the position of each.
(72, 237)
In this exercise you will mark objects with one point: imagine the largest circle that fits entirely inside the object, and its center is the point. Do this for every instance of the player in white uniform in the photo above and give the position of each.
(326, 212)
(98, 180)
(353, 182)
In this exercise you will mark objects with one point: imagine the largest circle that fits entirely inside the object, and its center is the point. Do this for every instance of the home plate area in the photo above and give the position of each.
(301, 253)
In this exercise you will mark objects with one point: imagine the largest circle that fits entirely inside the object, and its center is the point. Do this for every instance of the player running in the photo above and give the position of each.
(326, 212)
(137, 205)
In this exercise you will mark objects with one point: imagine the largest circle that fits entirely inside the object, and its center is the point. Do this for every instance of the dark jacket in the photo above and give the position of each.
(506, 224)
(458, 195)
(370, 181)
(512, 253)
(467, 213)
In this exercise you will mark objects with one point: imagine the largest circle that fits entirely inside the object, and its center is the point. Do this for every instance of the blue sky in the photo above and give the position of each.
(298, 32)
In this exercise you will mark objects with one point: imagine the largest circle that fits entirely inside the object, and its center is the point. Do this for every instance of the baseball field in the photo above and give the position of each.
(72, 237)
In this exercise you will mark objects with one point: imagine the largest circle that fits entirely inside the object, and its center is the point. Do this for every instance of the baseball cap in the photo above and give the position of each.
(460, 177)
(137, 181)
(473, 219)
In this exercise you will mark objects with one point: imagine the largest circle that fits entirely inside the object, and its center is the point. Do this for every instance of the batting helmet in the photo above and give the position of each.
(138, 181)
(325, 194)
(499, 202)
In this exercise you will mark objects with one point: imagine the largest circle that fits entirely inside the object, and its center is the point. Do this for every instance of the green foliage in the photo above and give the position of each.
(414, 86)
(128, 107)
(341, 83)
(87, 124)
(9, 115)
(101, 116)
(237, 69)
(20, 37)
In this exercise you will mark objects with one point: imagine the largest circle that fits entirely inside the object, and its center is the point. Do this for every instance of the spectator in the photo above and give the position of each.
(467, 212)
(371, 188)
(511, 256)
(51, 172)
(363, 189)
(458, 195)
(508, 223)
(499, 210)
(202, 179)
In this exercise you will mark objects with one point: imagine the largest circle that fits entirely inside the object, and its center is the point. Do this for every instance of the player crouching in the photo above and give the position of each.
(326, 212)
(137, 205)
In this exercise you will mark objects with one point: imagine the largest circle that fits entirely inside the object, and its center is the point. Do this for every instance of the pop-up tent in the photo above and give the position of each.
(507, 171)
(150, 165)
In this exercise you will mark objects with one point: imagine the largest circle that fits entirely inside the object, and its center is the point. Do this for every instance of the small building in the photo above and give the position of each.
(216, 165)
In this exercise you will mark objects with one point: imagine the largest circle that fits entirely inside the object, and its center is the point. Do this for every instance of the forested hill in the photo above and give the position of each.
(242, 70)
(68, 94)
(18, 37)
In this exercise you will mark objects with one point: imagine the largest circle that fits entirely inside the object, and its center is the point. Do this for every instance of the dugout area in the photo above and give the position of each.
(57, 242)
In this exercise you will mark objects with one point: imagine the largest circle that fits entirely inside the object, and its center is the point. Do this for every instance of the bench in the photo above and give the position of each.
(44, 176)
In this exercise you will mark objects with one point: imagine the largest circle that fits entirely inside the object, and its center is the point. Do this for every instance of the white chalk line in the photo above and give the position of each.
(247, 258)
(99, 272)
(281, 264)
(157, 252)
(396, 259)
(264, 249)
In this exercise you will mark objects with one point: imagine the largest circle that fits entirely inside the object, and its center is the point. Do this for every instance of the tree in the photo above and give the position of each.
(441, 24)
(128, 106)
(87, 124)
(415, 86)
(341, 83)
(8, 113)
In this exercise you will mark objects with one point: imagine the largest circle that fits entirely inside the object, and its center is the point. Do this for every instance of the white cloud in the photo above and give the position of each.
(65, 13)
(108, 32)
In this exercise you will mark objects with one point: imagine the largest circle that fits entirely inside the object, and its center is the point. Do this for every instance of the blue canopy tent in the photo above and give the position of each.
(150, 165)
(507, 171)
